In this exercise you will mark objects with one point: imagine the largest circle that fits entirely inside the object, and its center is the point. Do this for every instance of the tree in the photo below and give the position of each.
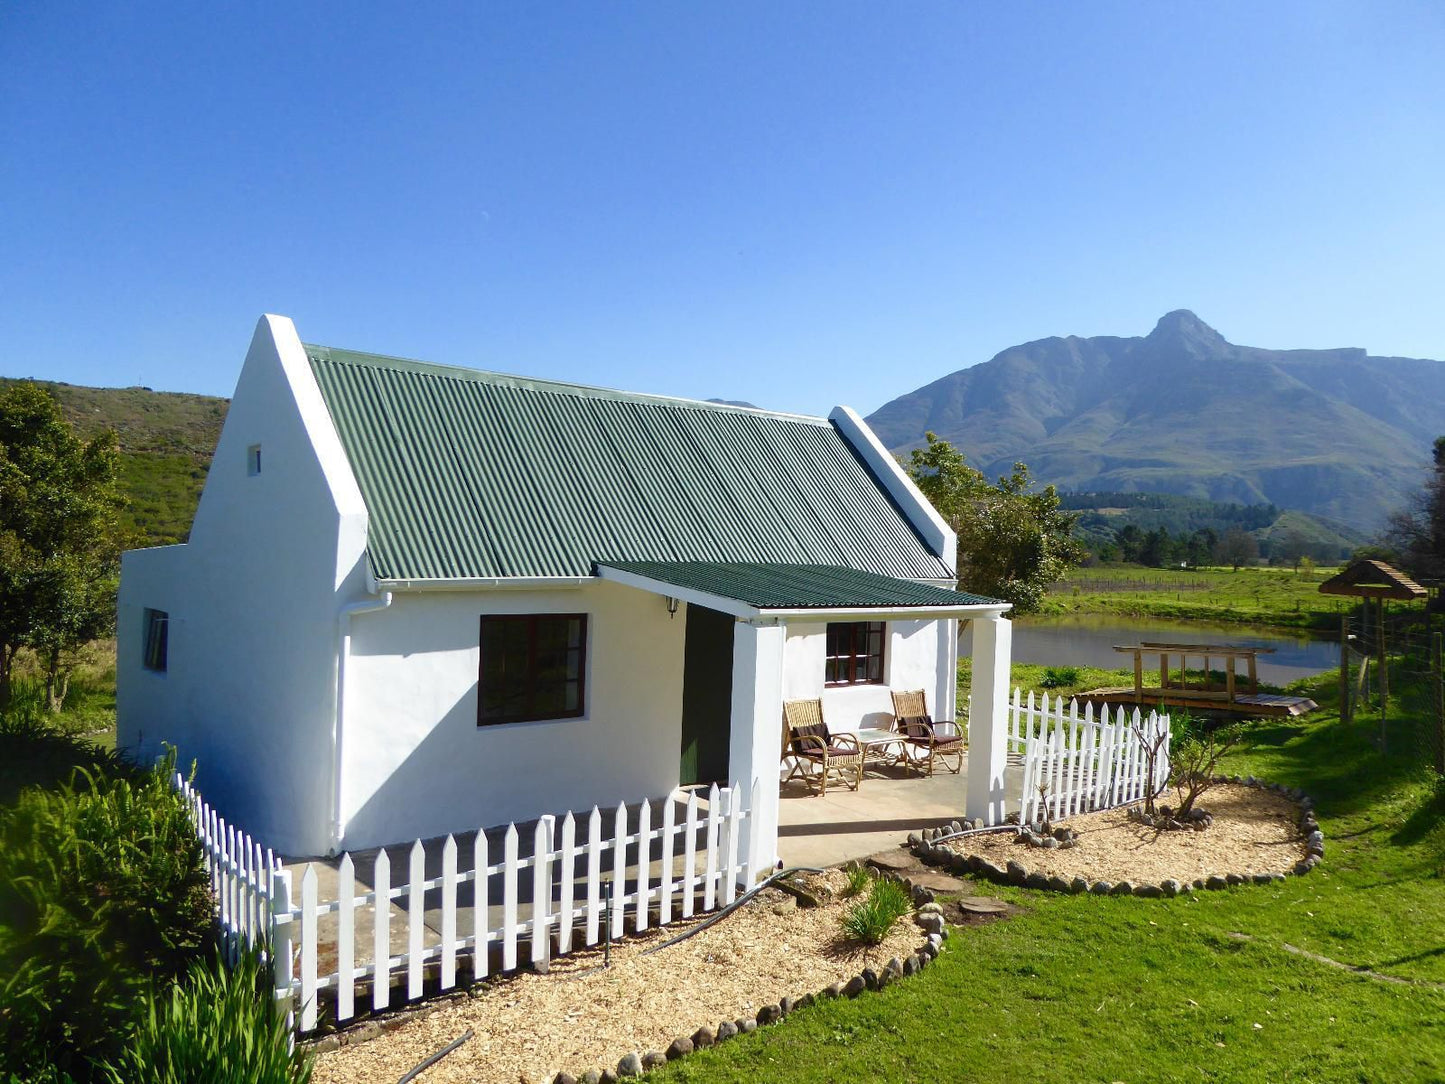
(1292, 548)
(59, 544)
(1417, 534)
(1237, 547)
(1013, 541)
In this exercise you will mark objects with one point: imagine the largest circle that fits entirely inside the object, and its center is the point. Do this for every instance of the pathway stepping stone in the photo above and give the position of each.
(892, 861)
(982, 905)
(935, 881)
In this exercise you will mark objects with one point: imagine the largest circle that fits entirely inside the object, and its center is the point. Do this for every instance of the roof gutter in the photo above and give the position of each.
(343, 624)
(515, 583)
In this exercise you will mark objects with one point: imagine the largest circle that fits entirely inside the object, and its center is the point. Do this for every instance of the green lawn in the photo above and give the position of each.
(1258, 596)
(1123, 989)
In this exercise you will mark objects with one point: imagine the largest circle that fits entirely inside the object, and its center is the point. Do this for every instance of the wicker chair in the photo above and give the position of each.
(817, 754)
(932, 741)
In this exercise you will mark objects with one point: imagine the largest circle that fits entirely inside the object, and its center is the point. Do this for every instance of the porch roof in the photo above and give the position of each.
(754, 590)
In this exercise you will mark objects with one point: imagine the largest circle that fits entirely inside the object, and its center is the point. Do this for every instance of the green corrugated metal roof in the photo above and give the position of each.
(797, 587)
(471, 475)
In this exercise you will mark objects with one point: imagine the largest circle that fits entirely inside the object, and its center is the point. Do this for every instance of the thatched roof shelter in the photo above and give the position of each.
(1373, 579)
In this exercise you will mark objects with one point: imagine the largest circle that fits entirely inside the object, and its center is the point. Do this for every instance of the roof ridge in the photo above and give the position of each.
(318, 353)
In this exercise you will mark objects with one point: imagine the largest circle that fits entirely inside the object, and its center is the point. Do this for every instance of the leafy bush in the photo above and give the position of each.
(858, 878)
(1059, 677)
(38, 755)
(102, 893)
(870, 920)
(217, 1026)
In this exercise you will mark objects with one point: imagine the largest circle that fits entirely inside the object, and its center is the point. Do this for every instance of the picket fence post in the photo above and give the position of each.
(542, 889)
(345, 934)
(281, 941)
(381, 931)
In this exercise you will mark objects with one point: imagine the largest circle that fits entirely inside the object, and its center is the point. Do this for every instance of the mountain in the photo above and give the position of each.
(1338, 433)
(166, 441)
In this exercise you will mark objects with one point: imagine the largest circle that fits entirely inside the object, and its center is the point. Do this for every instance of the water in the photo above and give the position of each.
(1089, 641)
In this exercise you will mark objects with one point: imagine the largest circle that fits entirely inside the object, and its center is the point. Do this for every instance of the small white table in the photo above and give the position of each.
(875, 742)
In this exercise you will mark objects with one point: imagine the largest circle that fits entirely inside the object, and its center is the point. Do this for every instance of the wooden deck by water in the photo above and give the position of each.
(1203, 692)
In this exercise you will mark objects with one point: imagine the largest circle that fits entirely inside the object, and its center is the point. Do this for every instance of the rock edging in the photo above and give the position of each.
(923, 844)
(928, 917)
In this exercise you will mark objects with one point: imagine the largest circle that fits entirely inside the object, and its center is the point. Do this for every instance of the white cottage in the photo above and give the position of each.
(418, 598)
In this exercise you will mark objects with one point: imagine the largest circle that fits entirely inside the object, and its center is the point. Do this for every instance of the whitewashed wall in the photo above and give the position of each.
(253, 601)
(417, 764)
(918, 656)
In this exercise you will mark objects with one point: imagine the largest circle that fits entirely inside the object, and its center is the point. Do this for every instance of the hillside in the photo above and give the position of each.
(1103, 515)
(166, 442)
(1338, 433)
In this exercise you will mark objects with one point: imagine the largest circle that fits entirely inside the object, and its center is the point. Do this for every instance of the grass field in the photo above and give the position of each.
(1197, 988)
(1256, 596)
(90, 705)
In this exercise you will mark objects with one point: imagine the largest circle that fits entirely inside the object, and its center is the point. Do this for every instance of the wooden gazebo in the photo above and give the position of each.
(1366, 580)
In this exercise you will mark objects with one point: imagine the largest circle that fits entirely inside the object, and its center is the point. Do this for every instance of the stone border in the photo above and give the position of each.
(928, 917)
(932, 853)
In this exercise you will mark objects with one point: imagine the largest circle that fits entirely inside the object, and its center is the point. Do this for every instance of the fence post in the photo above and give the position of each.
(542, 891)
(1345, 670)
(280, 923)
(1437, 682)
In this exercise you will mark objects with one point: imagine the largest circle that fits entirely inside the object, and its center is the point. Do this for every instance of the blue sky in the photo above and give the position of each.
(794, 204)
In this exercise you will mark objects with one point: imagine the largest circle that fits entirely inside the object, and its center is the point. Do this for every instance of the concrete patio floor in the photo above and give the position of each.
(825, 830)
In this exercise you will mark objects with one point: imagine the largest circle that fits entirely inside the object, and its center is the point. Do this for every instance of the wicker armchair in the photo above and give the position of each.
(817, 754)
(932, 741)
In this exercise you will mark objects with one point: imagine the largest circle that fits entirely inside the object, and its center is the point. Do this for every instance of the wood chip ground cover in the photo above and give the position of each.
(530, 1027)
(1254, 831)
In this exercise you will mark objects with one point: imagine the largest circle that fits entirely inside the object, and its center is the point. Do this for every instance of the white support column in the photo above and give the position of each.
(757, 728)
(988, 721)
(945, 697)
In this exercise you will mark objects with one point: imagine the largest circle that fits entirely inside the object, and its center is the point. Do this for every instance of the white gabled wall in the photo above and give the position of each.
(917, 656)
(253, 600)
(417, 764)
(920, 512)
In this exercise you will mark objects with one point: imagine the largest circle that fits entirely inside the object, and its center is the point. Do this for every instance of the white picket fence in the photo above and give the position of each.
(242, 875)
(1075, 763)
(696, 860)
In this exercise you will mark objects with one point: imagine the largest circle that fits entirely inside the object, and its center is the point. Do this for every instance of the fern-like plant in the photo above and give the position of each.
(858, 878)
(217, 1026)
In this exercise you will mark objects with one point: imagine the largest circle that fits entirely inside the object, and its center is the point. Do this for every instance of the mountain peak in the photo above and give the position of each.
(1182, 326)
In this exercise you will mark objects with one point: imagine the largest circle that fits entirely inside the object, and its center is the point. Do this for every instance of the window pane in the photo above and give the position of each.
(531, 667)
(854, 653)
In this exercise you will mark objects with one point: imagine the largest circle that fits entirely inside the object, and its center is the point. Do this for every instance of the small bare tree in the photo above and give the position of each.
(1195, 757)
(1153, 735)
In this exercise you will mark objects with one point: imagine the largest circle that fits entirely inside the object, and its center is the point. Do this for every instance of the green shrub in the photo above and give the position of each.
(870, 920)
(218, 1026)
(858, 878)
(1059, 677)
(35, 754)
(102, 893)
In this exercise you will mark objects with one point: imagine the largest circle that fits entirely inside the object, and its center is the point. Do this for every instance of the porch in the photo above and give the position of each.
(828, 829)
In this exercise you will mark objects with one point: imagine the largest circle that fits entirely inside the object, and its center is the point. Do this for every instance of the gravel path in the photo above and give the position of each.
(530, 1026)
(1254, 831)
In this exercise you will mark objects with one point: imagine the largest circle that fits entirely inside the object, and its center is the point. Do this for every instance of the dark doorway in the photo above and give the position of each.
(707, 696)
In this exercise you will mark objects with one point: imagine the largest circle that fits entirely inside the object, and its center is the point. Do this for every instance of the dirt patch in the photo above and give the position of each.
(529, 1027)
(1254, 831)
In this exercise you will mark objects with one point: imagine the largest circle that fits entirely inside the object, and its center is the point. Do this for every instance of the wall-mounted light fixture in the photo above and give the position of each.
(671, 606)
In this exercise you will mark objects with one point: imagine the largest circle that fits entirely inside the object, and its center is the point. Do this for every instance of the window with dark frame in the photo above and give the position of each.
(532, 667)
(157, 623)
(854, 653)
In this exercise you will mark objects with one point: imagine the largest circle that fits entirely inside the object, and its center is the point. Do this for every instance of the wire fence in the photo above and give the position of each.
(1406, 696)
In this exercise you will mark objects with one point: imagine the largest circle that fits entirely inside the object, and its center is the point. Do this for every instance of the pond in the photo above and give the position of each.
(1089, 641)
